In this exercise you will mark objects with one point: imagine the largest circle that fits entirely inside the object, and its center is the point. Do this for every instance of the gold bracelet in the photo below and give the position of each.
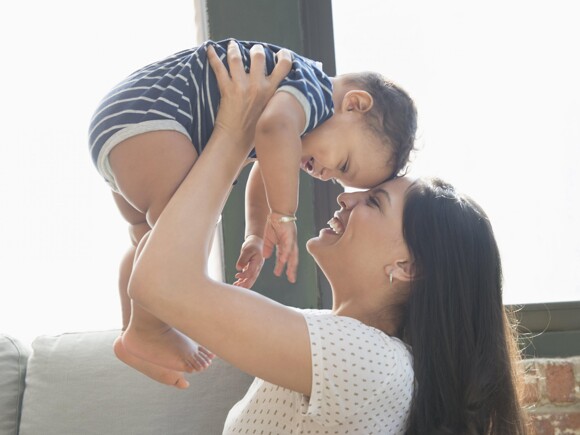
(286, 219)
(283, 219)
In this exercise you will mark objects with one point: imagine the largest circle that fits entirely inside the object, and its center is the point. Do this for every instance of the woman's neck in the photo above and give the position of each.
(388, 319)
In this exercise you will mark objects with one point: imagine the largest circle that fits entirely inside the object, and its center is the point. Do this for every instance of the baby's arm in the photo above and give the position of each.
(251, 259)
(279, 149)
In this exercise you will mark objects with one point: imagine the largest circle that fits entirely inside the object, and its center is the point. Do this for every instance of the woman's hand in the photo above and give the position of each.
(244, 95)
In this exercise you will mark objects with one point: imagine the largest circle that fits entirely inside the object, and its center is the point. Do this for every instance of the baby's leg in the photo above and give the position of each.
(148, 169)
(138, 228)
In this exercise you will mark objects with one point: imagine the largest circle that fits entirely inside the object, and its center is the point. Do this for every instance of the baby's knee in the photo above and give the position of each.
(137, 231)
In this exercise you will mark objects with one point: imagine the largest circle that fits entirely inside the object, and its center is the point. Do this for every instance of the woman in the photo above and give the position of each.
(409, 260)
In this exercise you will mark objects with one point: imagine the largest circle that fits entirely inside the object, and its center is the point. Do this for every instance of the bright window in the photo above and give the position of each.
(497, 89)
(499, 108)
(61, 236)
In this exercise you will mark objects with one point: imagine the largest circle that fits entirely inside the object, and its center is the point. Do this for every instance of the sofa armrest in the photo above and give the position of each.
(75, 385)
(13, 359)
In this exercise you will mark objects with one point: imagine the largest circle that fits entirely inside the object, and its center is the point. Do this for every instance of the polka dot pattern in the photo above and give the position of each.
(362, 383)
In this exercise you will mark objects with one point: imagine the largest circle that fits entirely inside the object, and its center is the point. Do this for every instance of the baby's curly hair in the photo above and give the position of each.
(393, 116)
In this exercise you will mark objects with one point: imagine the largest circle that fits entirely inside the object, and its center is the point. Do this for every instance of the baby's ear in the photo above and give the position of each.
(357, 100)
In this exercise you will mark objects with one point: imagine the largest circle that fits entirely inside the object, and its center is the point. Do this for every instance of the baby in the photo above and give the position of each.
(357, 129)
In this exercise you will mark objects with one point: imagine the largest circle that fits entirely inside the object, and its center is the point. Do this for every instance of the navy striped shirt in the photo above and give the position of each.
(181, 92)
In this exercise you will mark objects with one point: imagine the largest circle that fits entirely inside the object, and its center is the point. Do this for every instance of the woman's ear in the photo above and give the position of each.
(401, 270)
(357, 100)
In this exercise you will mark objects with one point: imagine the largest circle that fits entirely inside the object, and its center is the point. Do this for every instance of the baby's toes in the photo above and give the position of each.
(199, 361)
(202, 350)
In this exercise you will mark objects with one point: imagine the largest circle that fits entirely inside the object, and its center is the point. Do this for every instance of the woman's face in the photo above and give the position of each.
(365, 237)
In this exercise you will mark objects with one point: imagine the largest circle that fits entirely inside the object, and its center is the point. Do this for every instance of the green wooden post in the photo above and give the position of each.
(306, 28)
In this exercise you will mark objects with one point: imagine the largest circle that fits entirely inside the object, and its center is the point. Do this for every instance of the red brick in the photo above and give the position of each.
(542, 425)
(556, 423)
(560, 382)
(531, 394)
(572, 421)
(567, 422)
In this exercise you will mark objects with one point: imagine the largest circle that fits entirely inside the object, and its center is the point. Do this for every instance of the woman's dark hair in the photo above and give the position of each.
(393, 116)
(463, 344)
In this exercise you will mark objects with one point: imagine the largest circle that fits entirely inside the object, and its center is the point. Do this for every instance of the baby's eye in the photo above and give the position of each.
(344, 167)
(372, 201)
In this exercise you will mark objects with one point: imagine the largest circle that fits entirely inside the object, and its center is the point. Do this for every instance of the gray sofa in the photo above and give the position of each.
(72, 384)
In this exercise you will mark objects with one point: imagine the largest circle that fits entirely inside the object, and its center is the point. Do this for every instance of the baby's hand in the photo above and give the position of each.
(250, 262)
(281, 233)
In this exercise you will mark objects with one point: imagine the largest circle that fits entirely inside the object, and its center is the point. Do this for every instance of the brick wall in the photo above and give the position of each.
(552, 395)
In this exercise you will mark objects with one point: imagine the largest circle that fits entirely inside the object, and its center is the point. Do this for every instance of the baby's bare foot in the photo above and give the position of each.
(155, 372)
(168, 348)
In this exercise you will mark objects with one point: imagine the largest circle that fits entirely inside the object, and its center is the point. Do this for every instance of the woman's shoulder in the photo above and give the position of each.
(347, 329)
(356, 364)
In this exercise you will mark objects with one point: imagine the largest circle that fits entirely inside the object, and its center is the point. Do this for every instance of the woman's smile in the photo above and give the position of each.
(336, 224)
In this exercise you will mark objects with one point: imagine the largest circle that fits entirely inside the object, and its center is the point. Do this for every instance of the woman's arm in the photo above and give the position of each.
(252, 332)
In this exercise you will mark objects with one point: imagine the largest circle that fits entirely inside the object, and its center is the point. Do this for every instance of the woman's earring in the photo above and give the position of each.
(391, 279)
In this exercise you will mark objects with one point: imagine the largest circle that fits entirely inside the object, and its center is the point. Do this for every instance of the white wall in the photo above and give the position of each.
(497, 89)
(61, 237)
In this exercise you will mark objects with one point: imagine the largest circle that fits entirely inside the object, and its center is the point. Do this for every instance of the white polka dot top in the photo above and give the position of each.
(362, 383)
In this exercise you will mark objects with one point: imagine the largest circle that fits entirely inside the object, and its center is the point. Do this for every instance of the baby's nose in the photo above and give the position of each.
(325, 174)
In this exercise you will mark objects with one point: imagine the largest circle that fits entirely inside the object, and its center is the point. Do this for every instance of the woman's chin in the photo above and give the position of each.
(326, 237)
(328, 232)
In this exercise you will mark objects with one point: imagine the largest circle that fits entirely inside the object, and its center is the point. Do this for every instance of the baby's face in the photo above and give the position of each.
(353, 157)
